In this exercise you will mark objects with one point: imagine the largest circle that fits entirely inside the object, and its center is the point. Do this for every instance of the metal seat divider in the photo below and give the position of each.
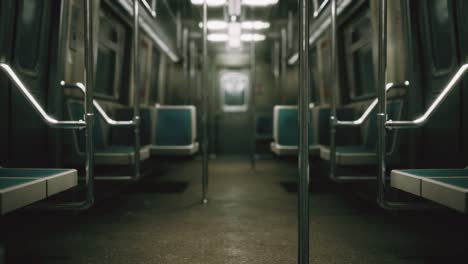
(88, 121)
(382, 118)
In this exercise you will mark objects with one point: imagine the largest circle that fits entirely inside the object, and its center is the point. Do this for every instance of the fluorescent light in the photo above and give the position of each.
(257, 25)
(217, 3)
(217, 37)
(234, 33)
(214, 24)
(252, 37)
(259, 2)
(211, 3)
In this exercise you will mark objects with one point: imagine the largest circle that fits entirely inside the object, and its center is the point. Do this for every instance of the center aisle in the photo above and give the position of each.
(251, 218)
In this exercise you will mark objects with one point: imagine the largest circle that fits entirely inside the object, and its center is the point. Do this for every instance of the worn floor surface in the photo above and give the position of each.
(250, 218)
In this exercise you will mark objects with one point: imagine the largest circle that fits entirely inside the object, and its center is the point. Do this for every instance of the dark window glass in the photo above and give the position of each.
(144, 71)
(441, 34)
(29, 32)
(105, 71)
(363, 71)
(313, 74)
(154, 76)
(234, 87)
(359, 59)
(110, 56)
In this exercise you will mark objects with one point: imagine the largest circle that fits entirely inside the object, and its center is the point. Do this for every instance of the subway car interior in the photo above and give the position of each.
(233, 131)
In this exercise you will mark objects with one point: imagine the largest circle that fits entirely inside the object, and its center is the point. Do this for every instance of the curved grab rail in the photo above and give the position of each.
(79, 86)
(418, 122)
(50, 121)
(371, 107)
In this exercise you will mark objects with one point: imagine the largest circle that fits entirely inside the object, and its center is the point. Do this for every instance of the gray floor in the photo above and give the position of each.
(251, 218)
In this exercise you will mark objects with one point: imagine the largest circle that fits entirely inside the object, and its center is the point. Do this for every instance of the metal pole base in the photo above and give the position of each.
(204, 200)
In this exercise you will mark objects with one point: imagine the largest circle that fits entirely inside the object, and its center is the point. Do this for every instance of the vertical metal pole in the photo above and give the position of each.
(89, 112)
(205, 106)
(252, 105)
(382, 96)
(136, 88)
(303, 115)
(334, 87)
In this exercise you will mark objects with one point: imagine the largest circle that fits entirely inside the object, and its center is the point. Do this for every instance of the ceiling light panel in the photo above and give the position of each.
(252, 37)
(214, 24)
(217, 37)
(255, 25)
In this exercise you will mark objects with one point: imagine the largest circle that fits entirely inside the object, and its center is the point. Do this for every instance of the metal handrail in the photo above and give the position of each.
(420, 121)
(50, 121)
(79, 86)
(382, 121)
(371, 107)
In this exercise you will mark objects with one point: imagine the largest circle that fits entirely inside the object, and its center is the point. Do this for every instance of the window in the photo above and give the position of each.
(155, 61)
(359, 59)
(234, 91)
(110, 57)
(324, 71)
(30, 17)
(144, 70)
(313, 74)
(441, 35)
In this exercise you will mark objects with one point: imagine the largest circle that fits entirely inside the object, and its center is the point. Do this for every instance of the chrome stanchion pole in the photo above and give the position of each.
(304, 100)
(205, 106)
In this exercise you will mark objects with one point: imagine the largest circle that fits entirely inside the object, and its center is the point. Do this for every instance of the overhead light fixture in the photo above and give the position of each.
(259, 2)
(234, 8)
(256, 25)
(214, 24)
(252, 37)
(218, 3)
(210, 3)
(217, 37)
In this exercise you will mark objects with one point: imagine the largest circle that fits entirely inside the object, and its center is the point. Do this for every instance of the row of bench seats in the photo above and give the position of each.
(348, 152)
(448, 187)
(164, 130)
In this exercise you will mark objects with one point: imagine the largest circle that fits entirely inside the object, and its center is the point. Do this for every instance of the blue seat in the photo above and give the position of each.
(123, 136)
(104, 154)
(174, 130)
(21, 187)
(286, 132)
(365, 154)
(448, 187)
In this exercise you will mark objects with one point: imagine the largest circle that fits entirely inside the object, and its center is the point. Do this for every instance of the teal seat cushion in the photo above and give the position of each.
(288, 127)
(457, 182)
(429, 173)
(354, 150)
(30, 173)
(9, 182)
(173, 127)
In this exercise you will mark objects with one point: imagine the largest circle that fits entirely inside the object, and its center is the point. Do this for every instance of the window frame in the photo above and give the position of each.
(118, 48)
(19, 27)
(350, 50)
(234, 108)
(428, 39)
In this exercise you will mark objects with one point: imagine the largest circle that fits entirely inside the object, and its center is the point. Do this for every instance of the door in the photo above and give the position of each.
(6, 17)
(439, 56)
(233, 121)
(462, 30)
(30, 60)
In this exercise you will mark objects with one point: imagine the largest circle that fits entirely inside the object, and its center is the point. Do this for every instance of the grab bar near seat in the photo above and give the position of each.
(79, 86)
(50, 121)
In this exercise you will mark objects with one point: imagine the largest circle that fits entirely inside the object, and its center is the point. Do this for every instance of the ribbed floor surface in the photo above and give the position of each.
(250, 218)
